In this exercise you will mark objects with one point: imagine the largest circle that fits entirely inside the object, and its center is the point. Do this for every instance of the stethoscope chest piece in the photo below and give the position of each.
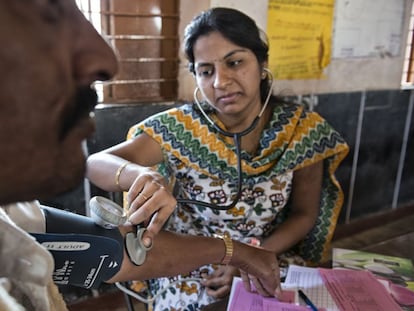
(109, 215)
(106, 213)
(136, 250)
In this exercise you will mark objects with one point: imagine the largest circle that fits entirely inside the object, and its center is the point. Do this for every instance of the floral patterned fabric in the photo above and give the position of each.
(203, 166)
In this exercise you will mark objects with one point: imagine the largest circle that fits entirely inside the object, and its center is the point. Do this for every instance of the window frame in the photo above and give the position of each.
(151, 74)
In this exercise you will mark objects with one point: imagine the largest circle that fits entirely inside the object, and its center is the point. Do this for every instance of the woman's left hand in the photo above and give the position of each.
(218, 283)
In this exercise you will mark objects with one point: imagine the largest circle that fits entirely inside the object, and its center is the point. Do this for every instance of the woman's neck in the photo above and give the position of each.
(250, 141)
(237, 123)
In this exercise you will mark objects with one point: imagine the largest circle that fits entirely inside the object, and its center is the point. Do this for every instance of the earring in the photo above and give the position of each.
(266, 73)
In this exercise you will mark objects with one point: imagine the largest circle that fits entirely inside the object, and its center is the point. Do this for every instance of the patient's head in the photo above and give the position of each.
(50, 56)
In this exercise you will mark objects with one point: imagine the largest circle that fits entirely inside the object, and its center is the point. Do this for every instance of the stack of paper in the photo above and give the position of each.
(395, 273)
(328, 289)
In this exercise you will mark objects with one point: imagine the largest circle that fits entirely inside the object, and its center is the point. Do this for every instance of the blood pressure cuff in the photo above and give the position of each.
(85, 254)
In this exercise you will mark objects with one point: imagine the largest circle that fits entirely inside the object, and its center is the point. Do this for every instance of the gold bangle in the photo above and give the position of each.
(118, 174)
(228, 243)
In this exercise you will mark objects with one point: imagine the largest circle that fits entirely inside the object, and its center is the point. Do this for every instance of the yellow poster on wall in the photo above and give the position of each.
(300, 35)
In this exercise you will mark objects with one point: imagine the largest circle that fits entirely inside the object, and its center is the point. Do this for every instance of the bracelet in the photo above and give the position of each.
(228, 242)
(118, 174)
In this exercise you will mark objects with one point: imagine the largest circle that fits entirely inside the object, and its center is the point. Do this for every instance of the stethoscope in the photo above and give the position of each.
(109, 215)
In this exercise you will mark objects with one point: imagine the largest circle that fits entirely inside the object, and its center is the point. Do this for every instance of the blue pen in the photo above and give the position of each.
(306, 299)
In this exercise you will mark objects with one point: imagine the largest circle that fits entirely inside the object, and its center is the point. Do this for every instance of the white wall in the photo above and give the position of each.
(342, 75)
(188, 9)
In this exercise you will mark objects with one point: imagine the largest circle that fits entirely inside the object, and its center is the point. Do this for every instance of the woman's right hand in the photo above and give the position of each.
(258, 267)
(128, 167)
(150, 202)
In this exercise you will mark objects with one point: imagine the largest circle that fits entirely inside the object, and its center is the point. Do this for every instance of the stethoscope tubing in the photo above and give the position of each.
(237, 142)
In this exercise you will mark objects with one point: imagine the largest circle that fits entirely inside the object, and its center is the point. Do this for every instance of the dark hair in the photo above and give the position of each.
(234, 26)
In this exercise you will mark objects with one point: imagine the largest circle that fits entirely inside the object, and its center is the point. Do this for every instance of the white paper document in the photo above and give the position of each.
(311, 282)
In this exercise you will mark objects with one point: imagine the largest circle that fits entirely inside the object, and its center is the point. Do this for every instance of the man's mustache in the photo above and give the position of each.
(84, 102)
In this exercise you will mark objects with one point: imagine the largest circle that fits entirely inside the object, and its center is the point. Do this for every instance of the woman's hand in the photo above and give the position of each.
(127, 167)
(258, 267)
(150, 203)
(218, 283)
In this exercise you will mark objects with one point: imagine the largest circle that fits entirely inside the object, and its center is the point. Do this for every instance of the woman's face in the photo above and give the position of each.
(50, 56)
(228, 76)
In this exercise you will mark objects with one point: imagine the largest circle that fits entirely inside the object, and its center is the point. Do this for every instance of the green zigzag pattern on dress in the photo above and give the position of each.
(308, 148)
(191, 147)
(182, 140)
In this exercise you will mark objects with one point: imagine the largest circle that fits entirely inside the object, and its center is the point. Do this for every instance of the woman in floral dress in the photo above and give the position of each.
(289, 199)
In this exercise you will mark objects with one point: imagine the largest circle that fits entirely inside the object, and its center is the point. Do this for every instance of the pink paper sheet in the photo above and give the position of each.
(242, 300)
(357, 290)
